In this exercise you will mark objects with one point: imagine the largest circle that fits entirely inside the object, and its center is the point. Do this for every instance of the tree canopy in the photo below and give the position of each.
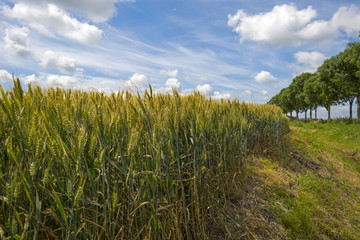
(336, 81)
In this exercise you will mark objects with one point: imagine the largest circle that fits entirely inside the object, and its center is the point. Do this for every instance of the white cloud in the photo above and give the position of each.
(137, 80)
(173, 83)
(61, 81)
(348, 19)
(302, 57)
(218, 96)
(5, 76)
(32, 79)
(96, 10)
(265, 77)
(307, 61)
(65, 65)
(316, 31)
(278, 26)
(285, 24)
(205, 89)
(17, 41)
(171, 73)
(101, 90)
(49, 19)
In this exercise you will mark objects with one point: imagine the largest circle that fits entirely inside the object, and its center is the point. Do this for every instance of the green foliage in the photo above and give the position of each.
(86, 165)
(329, 88)
(336, 81)
(293, 98)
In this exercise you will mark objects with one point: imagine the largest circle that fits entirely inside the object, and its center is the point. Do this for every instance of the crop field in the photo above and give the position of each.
(77, 164)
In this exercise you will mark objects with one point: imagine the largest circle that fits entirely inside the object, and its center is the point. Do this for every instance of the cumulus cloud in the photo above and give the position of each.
(348, 19)
(316, 31)
(61, 81)
(205, 89)
(65, 65)
(32, 79)
(17, 41)
(173, 83)
(5, 76)
(171, 73)
(285, 24)
(218, 96)
(95, 10)
(307, 61)
(49, 19)
(278, 26)
(265, 77)
(137, 80)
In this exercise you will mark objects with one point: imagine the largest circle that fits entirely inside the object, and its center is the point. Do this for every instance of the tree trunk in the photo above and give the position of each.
(297, 115)
(305, 115)
(310, 113)
(328, 109)
(351, 103)
(291, 114)
(358, 105)
(315, 112)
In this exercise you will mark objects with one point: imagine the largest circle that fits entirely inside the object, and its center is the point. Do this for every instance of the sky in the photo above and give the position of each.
(244, 49)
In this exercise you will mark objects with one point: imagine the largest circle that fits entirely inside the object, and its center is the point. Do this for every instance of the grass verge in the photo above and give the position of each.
(312, 191)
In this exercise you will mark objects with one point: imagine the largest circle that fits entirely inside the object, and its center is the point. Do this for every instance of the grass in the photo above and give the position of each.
(313, 190)
(341, 132)
(87, 165)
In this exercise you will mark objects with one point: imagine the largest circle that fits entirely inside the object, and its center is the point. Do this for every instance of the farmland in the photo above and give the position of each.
(86, 165)
(77, 164)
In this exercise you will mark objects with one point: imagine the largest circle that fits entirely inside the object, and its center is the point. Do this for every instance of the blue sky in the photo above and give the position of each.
(245, 49)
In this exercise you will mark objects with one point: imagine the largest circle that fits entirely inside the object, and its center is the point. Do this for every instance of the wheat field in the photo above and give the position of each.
(86, 165)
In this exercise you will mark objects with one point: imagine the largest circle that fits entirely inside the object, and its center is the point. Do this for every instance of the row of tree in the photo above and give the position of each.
(336, 81)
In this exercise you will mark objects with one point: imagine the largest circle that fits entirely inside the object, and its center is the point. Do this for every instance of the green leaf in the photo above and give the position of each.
(61, 208)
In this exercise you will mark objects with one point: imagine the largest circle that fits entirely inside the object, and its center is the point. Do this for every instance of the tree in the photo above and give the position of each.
(302, 79)
(349, 74)
(296, 94)
(345, 74)
(328, 85)
(311, 91)
(285, 102)
(336, 81)
(281, 99)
